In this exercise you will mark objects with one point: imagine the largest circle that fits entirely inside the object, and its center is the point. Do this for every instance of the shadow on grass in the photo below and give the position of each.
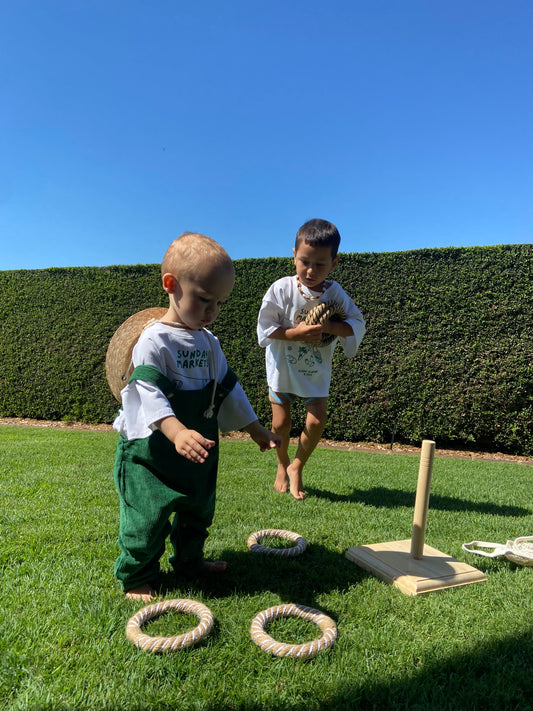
(495, 677)
(299, 579)
(381, 497)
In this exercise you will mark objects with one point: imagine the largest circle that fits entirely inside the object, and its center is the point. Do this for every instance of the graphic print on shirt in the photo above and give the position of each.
(187, 359)
(304, 356)
(191, 366)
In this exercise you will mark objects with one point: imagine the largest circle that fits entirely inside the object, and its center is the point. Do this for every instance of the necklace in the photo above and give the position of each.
(177, 324)
(306, 297)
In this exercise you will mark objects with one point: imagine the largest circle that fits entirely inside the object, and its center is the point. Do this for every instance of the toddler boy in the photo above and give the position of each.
(180, 393)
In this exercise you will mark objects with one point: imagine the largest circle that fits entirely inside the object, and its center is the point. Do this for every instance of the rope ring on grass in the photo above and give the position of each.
(169, 644)
(326, 311)
(301, 651)
(254, 545)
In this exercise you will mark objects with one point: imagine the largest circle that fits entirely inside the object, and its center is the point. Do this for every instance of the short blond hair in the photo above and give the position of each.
(192, 253)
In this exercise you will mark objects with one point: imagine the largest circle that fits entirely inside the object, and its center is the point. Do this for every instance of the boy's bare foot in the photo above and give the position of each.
(282, 480)
(296, 485)
(213, 566)
(145, 593)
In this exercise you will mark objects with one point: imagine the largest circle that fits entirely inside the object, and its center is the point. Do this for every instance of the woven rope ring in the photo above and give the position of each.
(301, 651)
(326, 311)
(169, 644)
(254, 545)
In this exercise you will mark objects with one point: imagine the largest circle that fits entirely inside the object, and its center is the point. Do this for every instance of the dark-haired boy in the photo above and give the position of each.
(297, 365)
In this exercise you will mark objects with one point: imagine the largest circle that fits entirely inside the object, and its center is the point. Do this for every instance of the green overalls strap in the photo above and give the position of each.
(154, 482)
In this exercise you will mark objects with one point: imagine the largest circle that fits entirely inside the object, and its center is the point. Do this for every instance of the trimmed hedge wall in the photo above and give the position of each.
(447, 354)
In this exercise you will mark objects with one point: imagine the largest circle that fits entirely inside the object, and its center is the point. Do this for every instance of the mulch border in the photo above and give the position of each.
(396, 448)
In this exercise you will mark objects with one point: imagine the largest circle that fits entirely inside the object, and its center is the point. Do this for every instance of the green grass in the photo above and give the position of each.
(62, 617)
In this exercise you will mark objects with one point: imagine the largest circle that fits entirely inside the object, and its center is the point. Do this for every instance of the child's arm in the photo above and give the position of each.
(189, 443)
(352, 329)
(338, 328)
(300, 332)
(275, 321)
(263, 437)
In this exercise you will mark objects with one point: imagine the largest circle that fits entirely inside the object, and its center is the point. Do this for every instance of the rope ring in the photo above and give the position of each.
(301, 651)
(326, 311)
(169, 644)
(254, 545)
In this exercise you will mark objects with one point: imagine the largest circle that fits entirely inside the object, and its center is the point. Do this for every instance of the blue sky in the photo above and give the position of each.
(407, 123)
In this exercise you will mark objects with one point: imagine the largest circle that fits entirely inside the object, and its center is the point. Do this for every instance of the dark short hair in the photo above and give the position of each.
(319, 233)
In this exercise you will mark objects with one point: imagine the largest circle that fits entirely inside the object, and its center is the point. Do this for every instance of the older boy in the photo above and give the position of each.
(297, 365)
(180, 392)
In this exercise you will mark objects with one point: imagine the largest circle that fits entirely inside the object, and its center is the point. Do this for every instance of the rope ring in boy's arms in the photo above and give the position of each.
(326, 311)
(279, 649)
(118, 365)
(169, 644)
(254, 545)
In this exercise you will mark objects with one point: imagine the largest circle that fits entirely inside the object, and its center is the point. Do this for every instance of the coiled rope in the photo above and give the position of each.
(169, 644)
(254, 545)
(268, 644)
(326, 311)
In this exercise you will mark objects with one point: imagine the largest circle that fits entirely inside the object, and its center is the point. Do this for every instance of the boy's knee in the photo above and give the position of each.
(317, 412)
(281, 428)
(315, 419)
(281, 420)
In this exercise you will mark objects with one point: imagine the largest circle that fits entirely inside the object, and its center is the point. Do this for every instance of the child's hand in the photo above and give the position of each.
(189, 443)
(304, 332)
(263, 437)
(192, 445)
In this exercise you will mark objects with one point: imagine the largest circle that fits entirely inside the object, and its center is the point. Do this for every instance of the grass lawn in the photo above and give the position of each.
(63, 643)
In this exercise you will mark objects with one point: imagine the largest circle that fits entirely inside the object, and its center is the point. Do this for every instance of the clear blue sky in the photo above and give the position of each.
(407, 123)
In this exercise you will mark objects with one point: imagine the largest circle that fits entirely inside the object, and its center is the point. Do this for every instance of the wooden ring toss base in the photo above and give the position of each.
(169, 644)
(326, 311)
(254, 545)
(411, 565)
(279, 649)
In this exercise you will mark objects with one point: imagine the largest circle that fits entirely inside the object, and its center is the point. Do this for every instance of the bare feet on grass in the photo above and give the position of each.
(282, 480)
(289, 480)
(144, 593)
(296, 486)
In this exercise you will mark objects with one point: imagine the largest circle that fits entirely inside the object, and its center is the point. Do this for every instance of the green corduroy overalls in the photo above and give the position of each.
(154, 481)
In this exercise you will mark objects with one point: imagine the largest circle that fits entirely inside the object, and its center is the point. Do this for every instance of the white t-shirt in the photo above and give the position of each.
(297, 367)
(190, 360)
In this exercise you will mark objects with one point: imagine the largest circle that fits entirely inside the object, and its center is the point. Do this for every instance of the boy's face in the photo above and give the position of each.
(196, 302)
(313, 264)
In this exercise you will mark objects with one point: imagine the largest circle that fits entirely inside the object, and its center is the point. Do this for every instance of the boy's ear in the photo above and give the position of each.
(169, 283)
(335, 262)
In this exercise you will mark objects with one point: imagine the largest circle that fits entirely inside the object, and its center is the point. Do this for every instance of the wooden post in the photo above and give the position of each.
(421, 569)
(422, 499)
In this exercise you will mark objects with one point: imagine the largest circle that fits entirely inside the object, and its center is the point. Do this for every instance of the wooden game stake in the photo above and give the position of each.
(422, 499)
(411, 565)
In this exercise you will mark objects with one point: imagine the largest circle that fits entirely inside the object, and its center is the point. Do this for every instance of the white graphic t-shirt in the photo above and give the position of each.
(296, 367)
(190, 360)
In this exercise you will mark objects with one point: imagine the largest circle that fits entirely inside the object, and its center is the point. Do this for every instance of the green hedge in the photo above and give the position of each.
(447, 354)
